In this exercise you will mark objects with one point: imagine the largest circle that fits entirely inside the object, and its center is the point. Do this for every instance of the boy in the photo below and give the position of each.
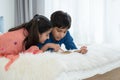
(61, 22)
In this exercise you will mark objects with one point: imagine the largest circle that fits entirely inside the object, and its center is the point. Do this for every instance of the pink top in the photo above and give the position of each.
(11, 43)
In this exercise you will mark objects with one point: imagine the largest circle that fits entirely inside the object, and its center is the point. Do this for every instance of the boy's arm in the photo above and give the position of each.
(68, 42)
(54, 46)
(45, 47)
(70, 45)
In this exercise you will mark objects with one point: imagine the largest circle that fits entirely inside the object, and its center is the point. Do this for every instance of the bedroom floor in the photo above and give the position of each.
(111, 75)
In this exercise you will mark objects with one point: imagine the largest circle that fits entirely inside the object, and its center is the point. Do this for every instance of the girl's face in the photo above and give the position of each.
(59, 33)
(44, 36)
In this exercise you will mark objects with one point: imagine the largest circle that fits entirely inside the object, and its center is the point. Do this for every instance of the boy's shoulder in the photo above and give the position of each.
(68, 36)
(68, 33)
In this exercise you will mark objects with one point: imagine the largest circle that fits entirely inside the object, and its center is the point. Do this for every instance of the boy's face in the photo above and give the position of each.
(59, 33)
(44, 36)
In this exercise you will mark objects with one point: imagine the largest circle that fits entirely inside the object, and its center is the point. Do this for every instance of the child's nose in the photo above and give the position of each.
(48, 37)
(61, 35)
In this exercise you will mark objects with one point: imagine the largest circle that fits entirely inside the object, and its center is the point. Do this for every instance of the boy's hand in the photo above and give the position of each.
(54, 46)
(82, 50)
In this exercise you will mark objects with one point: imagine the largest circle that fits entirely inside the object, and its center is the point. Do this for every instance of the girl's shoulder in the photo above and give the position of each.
(17, 34)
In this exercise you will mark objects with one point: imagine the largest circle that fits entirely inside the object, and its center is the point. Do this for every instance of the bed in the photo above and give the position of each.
(102, 60)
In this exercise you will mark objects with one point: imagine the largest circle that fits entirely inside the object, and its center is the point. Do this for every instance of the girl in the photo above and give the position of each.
(24, 38)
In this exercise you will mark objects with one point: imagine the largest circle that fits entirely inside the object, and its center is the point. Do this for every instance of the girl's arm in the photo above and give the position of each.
(34, 50)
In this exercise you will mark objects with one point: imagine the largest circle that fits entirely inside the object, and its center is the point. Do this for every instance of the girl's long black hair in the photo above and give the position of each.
(38, 25)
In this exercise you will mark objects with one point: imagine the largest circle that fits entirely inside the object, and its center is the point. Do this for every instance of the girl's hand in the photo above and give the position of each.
(34, 50)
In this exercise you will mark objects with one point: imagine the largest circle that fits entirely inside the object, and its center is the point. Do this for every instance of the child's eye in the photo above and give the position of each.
(59, 30)
(65, 31)
(47, 35)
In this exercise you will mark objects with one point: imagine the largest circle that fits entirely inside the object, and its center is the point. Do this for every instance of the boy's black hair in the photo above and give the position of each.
(38, 25)
(61, 19)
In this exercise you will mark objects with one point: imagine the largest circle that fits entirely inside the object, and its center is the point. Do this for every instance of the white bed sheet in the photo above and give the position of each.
(57, 66)
(100, 59)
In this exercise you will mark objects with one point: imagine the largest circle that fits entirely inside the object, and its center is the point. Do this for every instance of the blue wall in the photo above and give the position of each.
(1, 24)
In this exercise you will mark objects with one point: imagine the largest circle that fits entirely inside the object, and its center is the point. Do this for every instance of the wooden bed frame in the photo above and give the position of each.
(111, 75)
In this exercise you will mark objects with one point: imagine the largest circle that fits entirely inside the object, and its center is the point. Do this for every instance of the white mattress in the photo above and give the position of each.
(57, 66)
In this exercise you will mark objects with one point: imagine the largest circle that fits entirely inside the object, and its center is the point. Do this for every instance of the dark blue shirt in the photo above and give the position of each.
(67, 41)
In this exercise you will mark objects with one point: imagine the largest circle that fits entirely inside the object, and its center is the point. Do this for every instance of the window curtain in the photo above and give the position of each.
(87, 18)
(26, 9)
(23, 11)
(112, 24)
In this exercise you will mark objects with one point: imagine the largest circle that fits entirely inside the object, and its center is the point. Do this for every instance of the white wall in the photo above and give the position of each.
(97, 21)
(7, 11)
(87, 18)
